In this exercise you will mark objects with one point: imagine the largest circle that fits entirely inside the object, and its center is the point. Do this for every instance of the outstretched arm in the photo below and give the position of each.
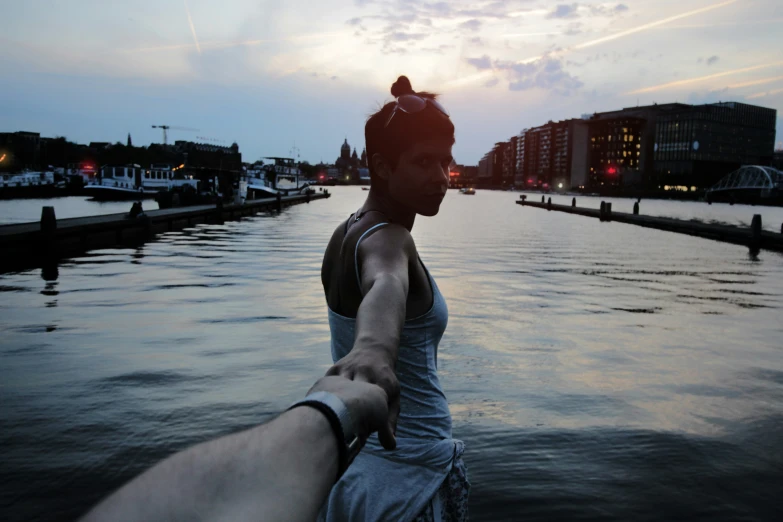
(385, 257)
(280, 471)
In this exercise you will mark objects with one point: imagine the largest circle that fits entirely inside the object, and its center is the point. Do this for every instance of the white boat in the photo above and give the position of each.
(283, 176)
(28, 184)
(27, 179)
(135, 182)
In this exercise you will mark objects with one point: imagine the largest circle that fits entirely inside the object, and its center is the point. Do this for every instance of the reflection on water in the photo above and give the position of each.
(28, 210)
(594, 370)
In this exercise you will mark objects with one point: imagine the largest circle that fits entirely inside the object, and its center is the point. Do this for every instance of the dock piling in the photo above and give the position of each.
(549, 204)
(755, 229)
(602, 211)
(573, 202)
(543, 199)
(608, 211)
(636, 208)
(48, 220)
(48, 232)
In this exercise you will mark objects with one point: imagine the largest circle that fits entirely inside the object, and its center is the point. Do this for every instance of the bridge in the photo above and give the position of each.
(750, 177)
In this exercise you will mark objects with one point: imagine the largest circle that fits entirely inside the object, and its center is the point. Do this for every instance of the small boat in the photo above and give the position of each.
(468, 191)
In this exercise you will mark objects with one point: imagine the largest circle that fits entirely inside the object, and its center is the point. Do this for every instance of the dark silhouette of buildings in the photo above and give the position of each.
(653, 147)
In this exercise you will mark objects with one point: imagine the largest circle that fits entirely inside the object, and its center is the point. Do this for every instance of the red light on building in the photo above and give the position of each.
(611, 170)
(453, 174)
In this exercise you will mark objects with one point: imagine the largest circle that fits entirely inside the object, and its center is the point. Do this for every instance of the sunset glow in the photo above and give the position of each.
(310, 72)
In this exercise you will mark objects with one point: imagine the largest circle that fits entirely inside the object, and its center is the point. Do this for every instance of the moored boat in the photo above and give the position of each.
(134, 182)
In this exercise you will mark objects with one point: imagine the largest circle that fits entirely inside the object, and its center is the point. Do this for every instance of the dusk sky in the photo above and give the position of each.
(271, 74)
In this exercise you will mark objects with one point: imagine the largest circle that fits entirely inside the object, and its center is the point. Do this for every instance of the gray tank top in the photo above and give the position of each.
(424, 411)
(397, 485)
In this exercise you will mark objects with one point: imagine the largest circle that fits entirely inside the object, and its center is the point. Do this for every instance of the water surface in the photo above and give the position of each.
(594, 370)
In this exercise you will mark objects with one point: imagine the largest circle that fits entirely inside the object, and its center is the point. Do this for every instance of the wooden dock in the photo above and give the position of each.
(27, 245)
(753, 237)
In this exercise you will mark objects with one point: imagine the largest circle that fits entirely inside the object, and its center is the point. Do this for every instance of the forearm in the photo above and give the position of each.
(380, 318)
(282, 470)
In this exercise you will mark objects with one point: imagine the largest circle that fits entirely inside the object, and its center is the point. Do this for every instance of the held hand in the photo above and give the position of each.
(367, 403)
(364, 365)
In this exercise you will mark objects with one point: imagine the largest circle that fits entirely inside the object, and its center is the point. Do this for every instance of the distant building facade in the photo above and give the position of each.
(650, 147)
(209, 156)
(698, 145)
(347, 164)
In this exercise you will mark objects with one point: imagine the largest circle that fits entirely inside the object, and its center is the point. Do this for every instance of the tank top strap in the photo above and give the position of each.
(356, 252)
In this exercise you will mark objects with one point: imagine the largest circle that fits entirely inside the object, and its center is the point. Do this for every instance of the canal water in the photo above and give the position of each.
(595, 371)
(26, 210)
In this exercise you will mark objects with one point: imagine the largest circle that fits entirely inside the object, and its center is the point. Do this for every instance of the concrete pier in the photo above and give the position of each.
(753, 237)
(32, 244)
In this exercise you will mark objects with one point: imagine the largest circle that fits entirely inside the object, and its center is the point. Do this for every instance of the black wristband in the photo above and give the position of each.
(337, 414)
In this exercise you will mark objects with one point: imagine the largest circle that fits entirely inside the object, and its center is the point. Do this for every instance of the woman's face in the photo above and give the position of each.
(421, 178)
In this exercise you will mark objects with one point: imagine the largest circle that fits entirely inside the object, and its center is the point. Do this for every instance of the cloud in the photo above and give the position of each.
(604, 10)
(471, 25)
(492, 82)
(546, 73)
(573, 29)
(437, 50)
(564, 11)
(485, 62)
(354, 21)
(712, 59)
(400, 36)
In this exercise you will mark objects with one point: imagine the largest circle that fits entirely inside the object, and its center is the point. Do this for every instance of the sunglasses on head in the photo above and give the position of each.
(412, 103)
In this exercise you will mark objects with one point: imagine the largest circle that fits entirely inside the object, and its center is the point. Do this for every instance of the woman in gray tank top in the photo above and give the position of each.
(387, 316)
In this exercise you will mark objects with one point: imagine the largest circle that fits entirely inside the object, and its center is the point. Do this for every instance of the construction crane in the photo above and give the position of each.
(167, 127)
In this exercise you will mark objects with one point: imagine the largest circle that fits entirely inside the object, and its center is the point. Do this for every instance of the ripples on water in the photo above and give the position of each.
(595, 370)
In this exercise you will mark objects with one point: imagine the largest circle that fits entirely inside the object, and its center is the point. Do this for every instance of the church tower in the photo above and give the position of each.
(345, 150)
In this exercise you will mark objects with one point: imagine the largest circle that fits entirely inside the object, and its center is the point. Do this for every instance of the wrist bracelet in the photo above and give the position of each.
(336, 412)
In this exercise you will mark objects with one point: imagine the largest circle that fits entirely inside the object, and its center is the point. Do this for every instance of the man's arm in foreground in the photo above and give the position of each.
(282, 470)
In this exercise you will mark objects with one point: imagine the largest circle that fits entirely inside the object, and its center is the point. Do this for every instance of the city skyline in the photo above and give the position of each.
(259, 74)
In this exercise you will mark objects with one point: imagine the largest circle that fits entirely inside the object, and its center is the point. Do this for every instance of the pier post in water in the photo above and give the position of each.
(602, 211)
(48, 231)
(48, 220)
(573, 202)
(636, 208)
(549, 204)
(608, 211)
(755, 231)
(543, 199)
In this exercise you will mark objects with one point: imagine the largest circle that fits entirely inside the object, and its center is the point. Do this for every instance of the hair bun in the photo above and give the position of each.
(402, 87)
